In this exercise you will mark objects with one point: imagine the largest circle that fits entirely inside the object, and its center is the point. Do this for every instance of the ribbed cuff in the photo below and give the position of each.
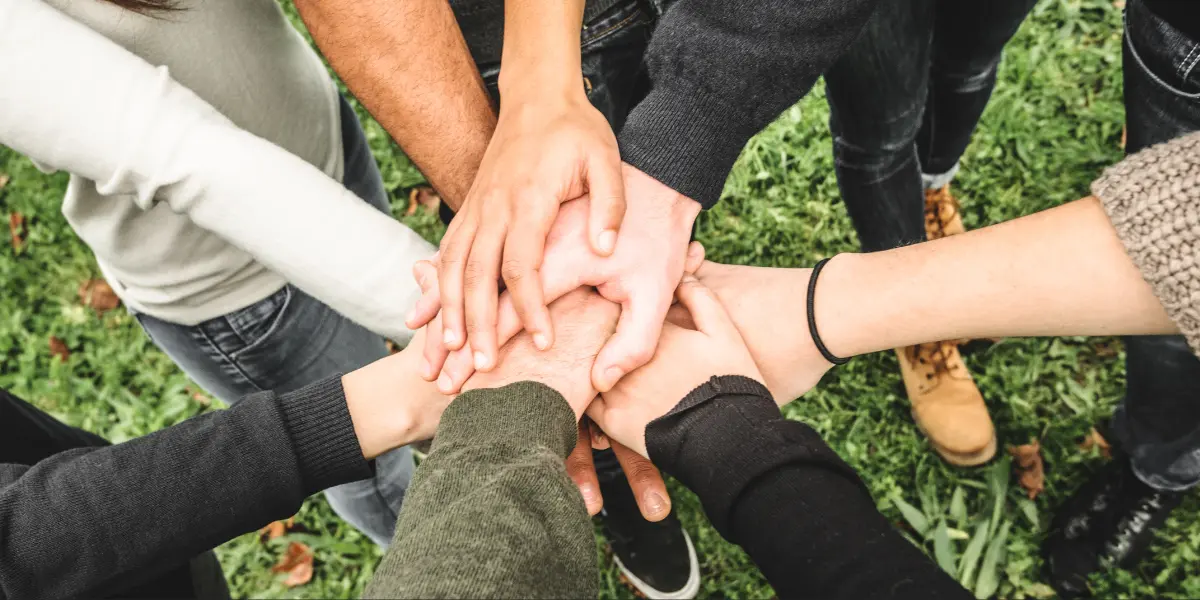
(525, 413)
(1151, 198)
(318, 422)
(724, 435)
(686, 138)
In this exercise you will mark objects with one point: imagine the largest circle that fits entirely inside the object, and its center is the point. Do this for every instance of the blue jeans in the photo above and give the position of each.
(289, 340)
(1158, 422)
(904, 100)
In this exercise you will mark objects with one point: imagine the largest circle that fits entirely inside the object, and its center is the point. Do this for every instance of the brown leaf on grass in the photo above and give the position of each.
(16, 228)
(297, 562)
(97, 294)
(200, 397)
(276, 529)
(59, 349)
(3, 180)
(422, 196)
(1124, 131)
(1031, 474)
(1095, 440)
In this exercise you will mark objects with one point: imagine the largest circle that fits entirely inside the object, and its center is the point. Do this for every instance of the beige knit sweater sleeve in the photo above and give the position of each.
(1153, 201)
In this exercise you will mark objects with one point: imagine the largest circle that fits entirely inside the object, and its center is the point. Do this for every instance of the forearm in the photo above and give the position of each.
(408, 64)
(491, 512)
(776, 489)
(1062, 271)
(720, 72)
(541, 48)
(82, 521)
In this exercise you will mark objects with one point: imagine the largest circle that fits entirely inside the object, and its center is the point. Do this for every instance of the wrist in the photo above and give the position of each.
(846, 319)
(378, 398)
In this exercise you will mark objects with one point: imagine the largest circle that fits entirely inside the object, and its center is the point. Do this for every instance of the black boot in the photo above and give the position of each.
(1109, 522)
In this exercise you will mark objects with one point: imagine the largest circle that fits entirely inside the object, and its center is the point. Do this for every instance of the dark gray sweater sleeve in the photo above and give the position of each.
(721, 71)
(84, 522)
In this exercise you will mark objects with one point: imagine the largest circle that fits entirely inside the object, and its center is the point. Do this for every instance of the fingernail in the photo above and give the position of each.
(449, 337)
(613, 375)
(445, 384)
(541, 341)
(589, 493)
(410, 317)
(655, 504)
(426, 370)
(607, 240)
(481, 361)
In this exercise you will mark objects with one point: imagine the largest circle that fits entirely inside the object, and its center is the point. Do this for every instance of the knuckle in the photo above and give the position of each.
(642, 472)
(513, 270)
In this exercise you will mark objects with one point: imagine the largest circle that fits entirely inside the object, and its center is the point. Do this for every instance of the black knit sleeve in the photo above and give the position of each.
(721, 71)
(775, 488)
(91, 520)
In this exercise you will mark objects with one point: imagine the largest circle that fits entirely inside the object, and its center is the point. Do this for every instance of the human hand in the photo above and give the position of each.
(547, 149)
(390, 404)
(645, 480)
(651, 255)
(685, 359)
(767, 306)
(584, 320)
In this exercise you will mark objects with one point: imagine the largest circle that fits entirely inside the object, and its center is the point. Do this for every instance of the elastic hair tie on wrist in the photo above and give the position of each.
(812, 317)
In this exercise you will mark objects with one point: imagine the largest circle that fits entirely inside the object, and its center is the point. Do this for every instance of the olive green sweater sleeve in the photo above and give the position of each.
(491, 512)
(1153, 201)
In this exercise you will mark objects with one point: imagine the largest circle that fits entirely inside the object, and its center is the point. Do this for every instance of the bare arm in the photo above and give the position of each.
(408, 64)
(1058, 272)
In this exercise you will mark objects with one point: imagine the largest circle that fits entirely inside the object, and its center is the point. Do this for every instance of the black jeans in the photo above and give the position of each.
(1158, 422)
(904, 100)
(28, 435)
(612, 45)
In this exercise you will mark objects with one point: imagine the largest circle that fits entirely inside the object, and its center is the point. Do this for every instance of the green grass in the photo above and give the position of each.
(1054, 123)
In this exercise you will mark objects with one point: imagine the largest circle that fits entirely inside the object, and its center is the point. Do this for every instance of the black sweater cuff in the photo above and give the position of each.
(727, 433)
(322, 433)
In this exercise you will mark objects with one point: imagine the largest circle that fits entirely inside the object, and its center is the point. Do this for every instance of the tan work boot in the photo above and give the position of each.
(946, 403)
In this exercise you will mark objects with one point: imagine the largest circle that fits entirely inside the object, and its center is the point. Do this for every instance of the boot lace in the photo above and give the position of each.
(940, 210)
(935, 354)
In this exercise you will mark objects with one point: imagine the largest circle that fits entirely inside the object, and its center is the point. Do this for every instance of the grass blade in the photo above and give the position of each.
(970, 558)
(958, 507)
(943, 549)
(989, 576)
(914, 517)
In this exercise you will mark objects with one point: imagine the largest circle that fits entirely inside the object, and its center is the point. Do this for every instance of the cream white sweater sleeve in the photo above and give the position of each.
(73, 100)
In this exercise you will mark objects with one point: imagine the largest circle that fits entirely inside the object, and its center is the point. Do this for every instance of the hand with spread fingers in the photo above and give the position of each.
(652, 254)
(685, 359)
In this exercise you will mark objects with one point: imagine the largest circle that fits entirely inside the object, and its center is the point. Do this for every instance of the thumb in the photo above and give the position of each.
(430, 302)
(707, 312)
(695, 258)
(606, 205)
(634, 342)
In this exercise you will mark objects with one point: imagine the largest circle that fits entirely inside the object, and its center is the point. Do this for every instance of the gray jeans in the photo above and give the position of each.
(289, 340)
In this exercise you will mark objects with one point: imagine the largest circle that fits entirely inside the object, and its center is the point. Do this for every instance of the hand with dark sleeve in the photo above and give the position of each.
(491, 512)
(768, 484)
(93, 520)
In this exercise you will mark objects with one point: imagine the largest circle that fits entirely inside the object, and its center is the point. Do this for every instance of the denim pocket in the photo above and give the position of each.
(1162, 53)
(254, 325)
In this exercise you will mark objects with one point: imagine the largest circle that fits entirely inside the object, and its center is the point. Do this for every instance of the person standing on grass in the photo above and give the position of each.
(1112, 518)
(226, 189)
(642, 104)
(903, 101)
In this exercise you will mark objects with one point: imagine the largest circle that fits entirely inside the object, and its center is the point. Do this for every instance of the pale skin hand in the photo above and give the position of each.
(550, 146)
(390, 404)
(584, 321)
(385, 51)
(685, 359)
(641, 276)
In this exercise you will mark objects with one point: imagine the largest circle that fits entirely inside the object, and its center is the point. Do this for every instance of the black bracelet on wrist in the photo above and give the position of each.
(812, 317)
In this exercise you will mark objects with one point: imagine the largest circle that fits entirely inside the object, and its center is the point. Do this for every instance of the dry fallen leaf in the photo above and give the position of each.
(276, 529)
(422, 196)
(1124, 134)
(97, 294)
(59, 349)
(1030, 471)
(16, 227)
(297, 562)
(1095, 440)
